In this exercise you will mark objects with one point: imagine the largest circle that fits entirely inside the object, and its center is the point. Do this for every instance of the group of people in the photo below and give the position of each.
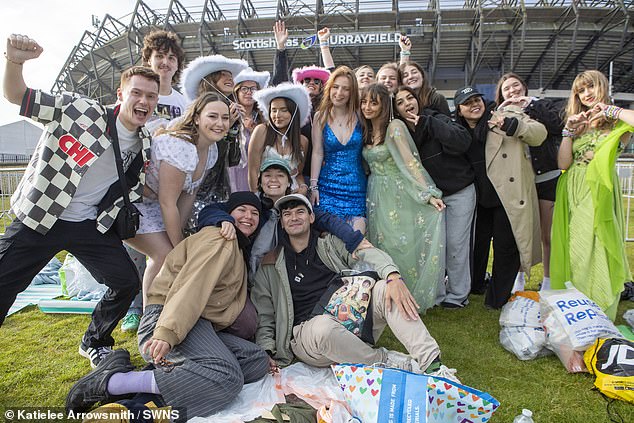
(298, 220)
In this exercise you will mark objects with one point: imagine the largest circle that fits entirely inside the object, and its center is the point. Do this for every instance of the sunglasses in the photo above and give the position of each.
(315, 81)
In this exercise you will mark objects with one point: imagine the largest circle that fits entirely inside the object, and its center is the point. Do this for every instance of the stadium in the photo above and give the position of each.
(547, 42)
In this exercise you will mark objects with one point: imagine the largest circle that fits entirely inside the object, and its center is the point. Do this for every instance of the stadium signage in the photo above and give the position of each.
(308, 42)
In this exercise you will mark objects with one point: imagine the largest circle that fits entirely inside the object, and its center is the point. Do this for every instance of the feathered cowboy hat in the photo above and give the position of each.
(295, 92)
(299, 74)
(200, 67)
(260, 78)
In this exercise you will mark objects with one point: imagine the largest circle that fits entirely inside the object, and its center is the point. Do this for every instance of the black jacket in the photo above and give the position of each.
(544, 157)
(487, 196)
(442, 145)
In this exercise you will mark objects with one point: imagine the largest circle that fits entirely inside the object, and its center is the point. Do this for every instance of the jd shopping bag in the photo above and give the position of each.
(382, 395)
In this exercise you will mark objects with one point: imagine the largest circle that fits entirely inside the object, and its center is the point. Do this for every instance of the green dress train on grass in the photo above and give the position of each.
(401, 221)
(588, 238)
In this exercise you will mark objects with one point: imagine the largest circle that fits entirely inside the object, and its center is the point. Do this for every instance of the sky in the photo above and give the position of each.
(57, 25)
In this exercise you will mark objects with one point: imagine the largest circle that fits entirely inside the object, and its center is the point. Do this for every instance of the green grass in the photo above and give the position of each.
(39, 362)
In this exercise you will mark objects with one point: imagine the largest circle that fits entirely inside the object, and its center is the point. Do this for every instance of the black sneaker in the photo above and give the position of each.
(92, 388)
(447, 304)
(94, 354)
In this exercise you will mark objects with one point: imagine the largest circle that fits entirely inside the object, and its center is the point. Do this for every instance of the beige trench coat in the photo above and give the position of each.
(509, 168)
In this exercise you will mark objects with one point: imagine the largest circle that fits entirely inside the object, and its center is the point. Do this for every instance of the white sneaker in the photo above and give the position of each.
(398, 360)
(446, 373)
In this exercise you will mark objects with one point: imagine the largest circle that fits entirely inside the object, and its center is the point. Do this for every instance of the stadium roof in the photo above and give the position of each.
(473, 41)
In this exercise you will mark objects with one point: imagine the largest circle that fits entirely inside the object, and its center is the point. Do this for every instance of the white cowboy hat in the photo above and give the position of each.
(295, 92)
(260, 78)
(200, 67)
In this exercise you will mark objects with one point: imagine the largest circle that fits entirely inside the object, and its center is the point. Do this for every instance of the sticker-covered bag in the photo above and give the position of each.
(377, 394)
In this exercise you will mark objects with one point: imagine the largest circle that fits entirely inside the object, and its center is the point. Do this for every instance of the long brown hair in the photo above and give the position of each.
(185, 128)
(499, 97)
(293, 131)
(326, 106)
(376, 92)
(589, 78)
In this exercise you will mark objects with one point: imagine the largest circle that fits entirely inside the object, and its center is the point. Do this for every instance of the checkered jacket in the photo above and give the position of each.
(77, 131)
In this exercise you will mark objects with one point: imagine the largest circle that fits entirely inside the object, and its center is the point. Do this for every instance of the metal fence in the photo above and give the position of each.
(10, 177)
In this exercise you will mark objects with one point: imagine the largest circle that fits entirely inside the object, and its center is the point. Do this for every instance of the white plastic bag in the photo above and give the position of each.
(573, 323)
(78, 282)
(521, 312)
(525, 342)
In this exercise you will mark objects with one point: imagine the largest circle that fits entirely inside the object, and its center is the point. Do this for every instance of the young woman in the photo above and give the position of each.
(215, 74)
(365, 76)
(507, 200)
(286, 109)
(388, 76)
(442, 146)
(512, 90)
(588, 246)
(180, 158)
(405, 216)
(412, 75)
(247, 83)
(339, 186)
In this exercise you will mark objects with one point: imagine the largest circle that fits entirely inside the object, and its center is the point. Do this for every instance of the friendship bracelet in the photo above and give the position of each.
(405, 53)
(11, 61)
(567, 133)
(314, 188)
(324, 43)
(612, 112)
(392, 280)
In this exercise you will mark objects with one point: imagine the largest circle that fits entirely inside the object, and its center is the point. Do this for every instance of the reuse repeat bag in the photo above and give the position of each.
(573, 323)
(385, 395)
(612, 362)
(522, 332)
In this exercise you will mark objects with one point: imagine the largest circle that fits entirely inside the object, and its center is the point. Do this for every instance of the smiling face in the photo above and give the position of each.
(406, 104)
(314, 86)
(371, 108)
(279, 114)
(165, 63)
(246, 218)
(213, 122)
(340, 91)
(512, 88)
(389, 78)
(412, 77)
(138, 97)
(472, 110)
(296, 221)
(587, 95)
(225, 82)
(245, 93)
(274, 182)
(365, 76)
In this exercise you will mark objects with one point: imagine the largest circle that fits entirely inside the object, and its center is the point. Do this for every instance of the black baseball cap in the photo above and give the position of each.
(465, 93)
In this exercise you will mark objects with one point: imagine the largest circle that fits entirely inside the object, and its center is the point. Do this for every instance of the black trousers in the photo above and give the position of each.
(494, 223)
(24, 252)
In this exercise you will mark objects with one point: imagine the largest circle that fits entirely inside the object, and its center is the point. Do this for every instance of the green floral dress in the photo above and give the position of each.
(588, 239)
(401, 221)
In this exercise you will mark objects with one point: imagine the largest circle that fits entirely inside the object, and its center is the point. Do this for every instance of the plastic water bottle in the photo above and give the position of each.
(525, 417)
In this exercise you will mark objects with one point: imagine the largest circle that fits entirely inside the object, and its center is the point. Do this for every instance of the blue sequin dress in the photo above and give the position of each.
(342, 180)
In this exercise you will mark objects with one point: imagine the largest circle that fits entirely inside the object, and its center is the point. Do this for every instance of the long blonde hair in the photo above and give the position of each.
(589, 78)
(185, 128)
(326, 106)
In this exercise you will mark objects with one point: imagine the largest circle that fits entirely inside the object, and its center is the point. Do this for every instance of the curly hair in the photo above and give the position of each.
(164, 41)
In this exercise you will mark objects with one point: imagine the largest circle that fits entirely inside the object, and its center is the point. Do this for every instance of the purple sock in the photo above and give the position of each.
(133, 382)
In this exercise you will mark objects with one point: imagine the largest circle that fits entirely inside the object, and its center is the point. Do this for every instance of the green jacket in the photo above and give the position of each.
(271, 292)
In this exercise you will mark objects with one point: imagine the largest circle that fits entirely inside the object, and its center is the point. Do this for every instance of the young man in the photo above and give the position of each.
(58, 202)
(163, 53)
(196, 297)
(294, 278)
